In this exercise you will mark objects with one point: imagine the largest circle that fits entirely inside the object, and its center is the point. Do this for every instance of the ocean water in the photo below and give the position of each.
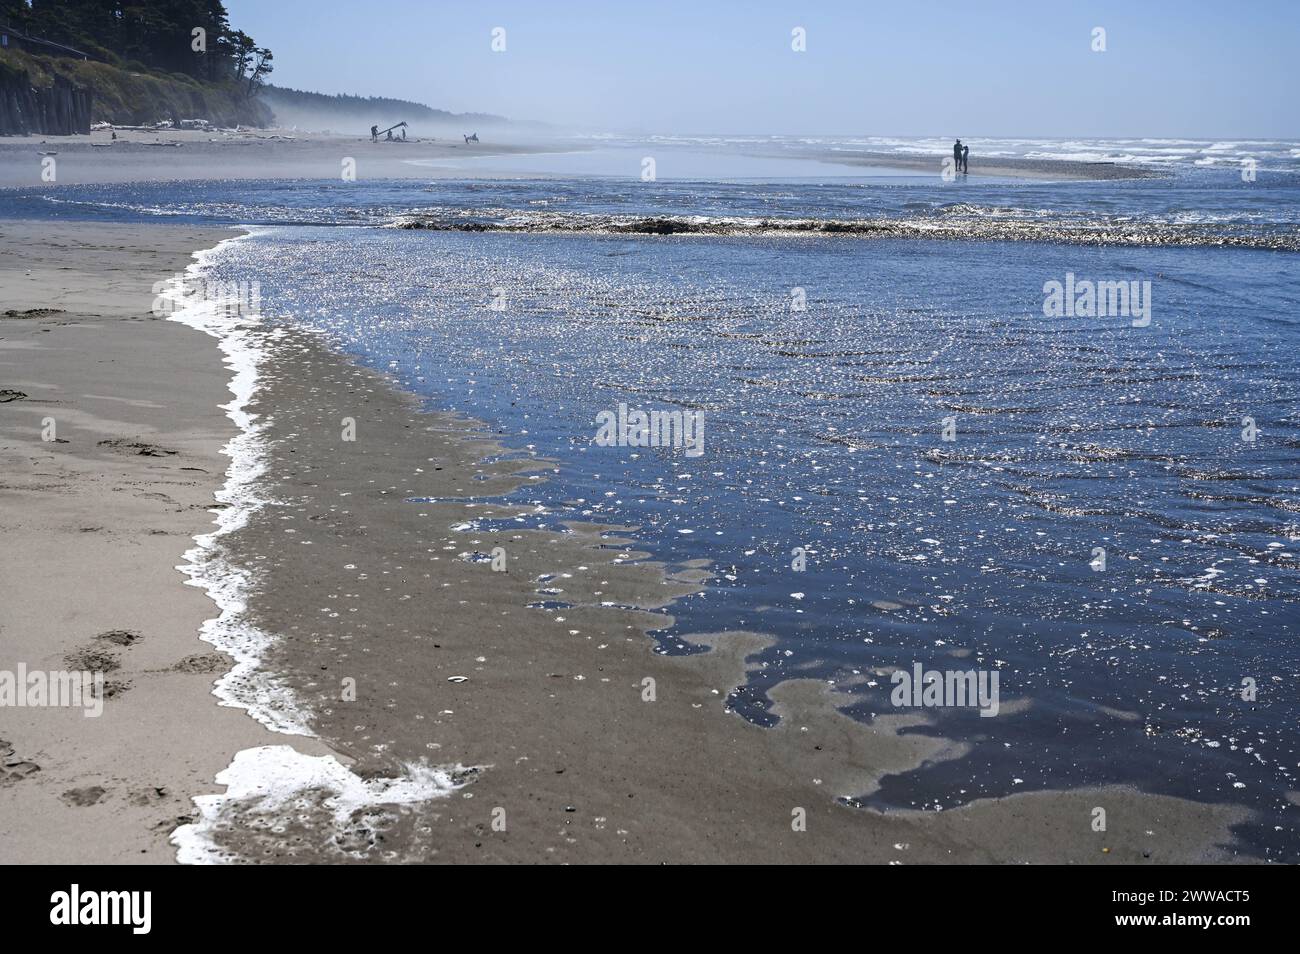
(1279, 154)
(1192, 196)
(826, 368)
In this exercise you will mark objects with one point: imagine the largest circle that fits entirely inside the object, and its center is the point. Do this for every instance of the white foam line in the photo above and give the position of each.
(270, 778)
(242, 343)
(275, 782)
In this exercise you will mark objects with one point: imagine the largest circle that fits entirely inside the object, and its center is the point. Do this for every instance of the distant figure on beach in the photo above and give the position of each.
(956, 156)
(374, 133)
(965, 159)
(473, 138)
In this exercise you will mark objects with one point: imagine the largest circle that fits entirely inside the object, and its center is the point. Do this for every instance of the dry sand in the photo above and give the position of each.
(183, 154)
(359, 582)
(92, 535)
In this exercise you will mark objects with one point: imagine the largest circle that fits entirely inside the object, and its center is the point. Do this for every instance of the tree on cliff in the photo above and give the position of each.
(251, 62)
(156, 34)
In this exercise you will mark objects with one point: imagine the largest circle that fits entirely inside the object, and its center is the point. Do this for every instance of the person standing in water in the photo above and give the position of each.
(965, 159)
(956, 156)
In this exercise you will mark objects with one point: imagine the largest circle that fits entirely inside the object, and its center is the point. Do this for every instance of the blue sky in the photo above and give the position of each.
(997, 68)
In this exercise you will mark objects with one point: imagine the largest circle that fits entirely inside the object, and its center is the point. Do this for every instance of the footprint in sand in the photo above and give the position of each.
(82, 797)
(202, 663)
(92, 659)
(141, 448)
(33, 312)
(115, 687)
(97, 658)
(13, 769)
(145, 797)
(120, 637)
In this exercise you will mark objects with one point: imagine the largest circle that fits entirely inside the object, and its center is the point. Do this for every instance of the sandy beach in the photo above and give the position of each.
(95, 522)
(389, 630)
(179, 154)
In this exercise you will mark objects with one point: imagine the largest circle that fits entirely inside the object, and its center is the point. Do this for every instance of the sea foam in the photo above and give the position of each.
(271, 782)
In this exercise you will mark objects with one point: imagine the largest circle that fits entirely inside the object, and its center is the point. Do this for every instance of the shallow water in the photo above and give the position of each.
(824, 431)
(677, 163)
(784, 179)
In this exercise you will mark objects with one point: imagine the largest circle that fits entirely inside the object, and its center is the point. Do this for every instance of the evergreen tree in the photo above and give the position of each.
(155, 34)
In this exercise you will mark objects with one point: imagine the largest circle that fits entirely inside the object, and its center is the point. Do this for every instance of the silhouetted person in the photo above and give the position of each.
(956, 156)
(965, 159)
(374, 133)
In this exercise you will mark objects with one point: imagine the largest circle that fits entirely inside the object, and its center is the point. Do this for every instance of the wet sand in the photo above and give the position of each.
(543, 718)
(1001, 166)
(410, 656)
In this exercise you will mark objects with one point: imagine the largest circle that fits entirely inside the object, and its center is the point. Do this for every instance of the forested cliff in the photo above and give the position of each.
(67, 63)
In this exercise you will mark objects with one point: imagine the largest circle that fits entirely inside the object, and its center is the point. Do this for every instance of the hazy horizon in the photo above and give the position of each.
(1007, 69)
